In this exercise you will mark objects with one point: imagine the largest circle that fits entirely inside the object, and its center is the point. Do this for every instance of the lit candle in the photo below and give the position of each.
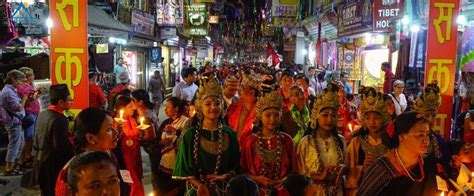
(442, 193)
(151, 194)
(142, 120)
(351, 127)
(121, 114)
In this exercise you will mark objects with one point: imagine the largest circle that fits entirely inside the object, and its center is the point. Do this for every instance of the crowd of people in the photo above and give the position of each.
(233, 130)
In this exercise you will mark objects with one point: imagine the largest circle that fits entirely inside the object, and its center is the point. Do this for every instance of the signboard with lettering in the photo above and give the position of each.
(441, 57)
(355, 18)
(31, 17)
(196, 20)
(385, 14)
(69, 56)
(170, 13)
(143, 22)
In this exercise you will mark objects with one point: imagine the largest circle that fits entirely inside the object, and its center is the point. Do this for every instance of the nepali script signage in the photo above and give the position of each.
(69, 49)
(385, 14)
(143, 22)
(441, 57)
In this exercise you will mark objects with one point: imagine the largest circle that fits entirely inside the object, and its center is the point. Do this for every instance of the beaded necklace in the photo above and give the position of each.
(263, 154)
(409, 174)
(196, 151)
(320, 158)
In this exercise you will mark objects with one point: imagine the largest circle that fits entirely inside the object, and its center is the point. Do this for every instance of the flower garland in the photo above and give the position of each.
(219, 152)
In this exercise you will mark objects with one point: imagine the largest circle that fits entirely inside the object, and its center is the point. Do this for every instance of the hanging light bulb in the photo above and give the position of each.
(461, 20)
(415, 28)
(405, 20)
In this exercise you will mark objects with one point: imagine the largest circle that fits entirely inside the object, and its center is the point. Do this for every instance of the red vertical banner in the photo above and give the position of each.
(69, 54)
(441, 57)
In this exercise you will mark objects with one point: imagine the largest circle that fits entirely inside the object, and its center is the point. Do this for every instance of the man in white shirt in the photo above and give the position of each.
(119, 68)
(186, 89)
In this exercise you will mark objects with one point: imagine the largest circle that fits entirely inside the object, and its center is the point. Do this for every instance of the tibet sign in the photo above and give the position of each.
(441, 57)
(354, 18)
(385, 14)
(69, 49)
(196, 20)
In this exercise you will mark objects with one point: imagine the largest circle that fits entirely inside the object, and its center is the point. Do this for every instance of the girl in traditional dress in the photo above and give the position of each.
(208, 154)
(427, 104)
(267, 155)
(403, 170)
(171, 131)
(370, 142)
(320, 153)
(129, 144)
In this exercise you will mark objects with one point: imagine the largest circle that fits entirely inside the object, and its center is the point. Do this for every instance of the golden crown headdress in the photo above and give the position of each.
(430, 100)
(209, 86)
(327, 99)
(250, 80)
(273, 99)
(372, 101)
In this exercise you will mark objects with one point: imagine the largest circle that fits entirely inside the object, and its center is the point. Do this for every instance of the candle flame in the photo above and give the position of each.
(142, 120)
(442, 193)
(121, 114)
(151, 194)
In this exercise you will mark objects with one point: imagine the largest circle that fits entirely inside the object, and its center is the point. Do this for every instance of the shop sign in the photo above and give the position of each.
(311, 25)
(31, 17)
(69, 56)
(102, 48)
(385, 14)
(213, 19)
(441, 57)
(169, 14)
(285, 8)
(196, 23)
(355, 18)
(143, 22)
(168, 32)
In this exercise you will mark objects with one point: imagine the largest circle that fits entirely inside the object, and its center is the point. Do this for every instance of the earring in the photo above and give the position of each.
(93, 143)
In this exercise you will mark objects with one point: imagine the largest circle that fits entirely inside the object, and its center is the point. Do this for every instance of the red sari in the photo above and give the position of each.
(253, 163)
(130, 147)
(233, 113)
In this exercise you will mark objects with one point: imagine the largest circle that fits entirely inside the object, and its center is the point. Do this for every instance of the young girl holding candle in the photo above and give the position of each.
(129, 143)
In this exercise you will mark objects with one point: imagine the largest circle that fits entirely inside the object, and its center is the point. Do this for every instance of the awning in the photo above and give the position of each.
(100, 23)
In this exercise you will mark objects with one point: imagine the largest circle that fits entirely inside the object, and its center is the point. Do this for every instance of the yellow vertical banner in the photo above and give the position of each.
(69, 51)
(441, 57)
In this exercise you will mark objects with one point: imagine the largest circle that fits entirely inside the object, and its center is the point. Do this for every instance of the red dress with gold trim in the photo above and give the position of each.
(273, 166)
